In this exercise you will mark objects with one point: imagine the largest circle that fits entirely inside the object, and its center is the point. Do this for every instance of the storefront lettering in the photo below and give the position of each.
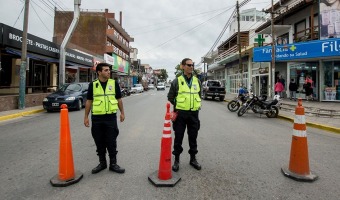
(80, 58)
(19, 38)
(333, 46)
(70, 55)
(301, 53)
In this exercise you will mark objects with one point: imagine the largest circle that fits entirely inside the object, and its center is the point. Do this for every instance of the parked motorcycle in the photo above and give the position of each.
(236, 103)
(125, 92)
(261, 106)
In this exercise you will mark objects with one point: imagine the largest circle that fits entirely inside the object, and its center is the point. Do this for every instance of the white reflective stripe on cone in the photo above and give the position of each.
(300, 119)
(167, 129)
(299, 133)
(167, 121)
(166, 135)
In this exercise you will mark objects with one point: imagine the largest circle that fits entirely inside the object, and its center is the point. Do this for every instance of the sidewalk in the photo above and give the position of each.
(322, 115)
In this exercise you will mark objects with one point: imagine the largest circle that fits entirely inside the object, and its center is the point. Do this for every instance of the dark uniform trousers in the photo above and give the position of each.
(104, 133)
(190, 120)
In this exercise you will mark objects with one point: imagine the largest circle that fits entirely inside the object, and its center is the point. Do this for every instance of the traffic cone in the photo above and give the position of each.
(164, 177)
(299, 162)
(67, 176)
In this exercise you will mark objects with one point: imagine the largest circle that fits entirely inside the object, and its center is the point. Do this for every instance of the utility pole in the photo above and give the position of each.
(22, 87)
(272, 71)
(239, 42)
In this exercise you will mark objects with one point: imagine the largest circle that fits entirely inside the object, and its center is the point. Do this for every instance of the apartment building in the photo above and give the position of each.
(99, 32)
(223, 63)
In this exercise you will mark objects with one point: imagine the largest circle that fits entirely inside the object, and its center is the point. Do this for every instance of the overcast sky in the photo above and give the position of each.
(165, 31)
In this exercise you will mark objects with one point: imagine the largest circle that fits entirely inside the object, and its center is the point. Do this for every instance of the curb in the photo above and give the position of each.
(21, 114)
(314, 125)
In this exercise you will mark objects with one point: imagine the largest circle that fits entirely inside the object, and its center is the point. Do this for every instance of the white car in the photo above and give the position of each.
(151, 86)
(160, 86)
(137, 88)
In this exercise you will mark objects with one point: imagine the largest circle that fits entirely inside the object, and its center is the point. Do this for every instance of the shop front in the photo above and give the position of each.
(319, 59)
(42, 67)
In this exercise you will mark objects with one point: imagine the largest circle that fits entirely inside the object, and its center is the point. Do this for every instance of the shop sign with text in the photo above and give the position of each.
(296, 51)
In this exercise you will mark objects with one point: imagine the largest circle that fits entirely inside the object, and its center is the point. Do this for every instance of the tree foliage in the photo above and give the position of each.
(163, 76)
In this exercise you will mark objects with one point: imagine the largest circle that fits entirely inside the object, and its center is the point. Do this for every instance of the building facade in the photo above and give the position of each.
(101, 33)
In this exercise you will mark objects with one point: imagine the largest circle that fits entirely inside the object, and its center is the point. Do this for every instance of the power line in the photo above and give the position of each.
(181, 18)
(162, 28)
(42, 8)
(19, 16)
(186, 31)
(41, 20)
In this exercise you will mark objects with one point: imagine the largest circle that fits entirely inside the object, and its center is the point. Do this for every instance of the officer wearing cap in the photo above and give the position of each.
(184, 94)
(104, 99)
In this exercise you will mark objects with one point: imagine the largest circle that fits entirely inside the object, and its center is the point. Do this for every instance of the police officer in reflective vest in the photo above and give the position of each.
(184, 94)
(104, 99)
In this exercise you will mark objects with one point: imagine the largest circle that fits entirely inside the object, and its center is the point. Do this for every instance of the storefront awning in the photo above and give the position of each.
(32, 56)
(70, 65)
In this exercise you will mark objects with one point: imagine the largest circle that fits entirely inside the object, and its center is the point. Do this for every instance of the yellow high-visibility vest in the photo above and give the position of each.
(104, 102)
(188, 97)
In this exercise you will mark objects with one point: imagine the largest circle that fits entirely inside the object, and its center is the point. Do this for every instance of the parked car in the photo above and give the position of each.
(160, 86)
(72, 94)
(137, 88)
(151, 86)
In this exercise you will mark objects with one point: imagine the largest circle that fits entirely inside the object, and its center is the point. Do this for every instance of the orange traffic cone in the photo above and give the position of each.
(299, 162)
(67, 176)
(164, 177)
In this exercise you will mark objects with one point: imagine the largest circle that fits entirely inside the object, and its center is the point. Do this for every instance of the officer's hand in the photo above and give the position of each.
(87, 122)
(122, 117)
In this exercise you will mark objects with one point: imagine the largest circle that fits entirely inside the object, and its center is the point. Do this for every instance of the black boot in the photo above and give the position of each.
(114, 167)
(175, 167)
(102, 165)
(194, 163)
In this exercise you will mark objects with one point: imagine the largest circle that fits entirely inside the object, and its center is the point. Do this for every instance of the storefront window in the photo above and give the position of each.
(83, 75)
(331, 86)
(299, 71)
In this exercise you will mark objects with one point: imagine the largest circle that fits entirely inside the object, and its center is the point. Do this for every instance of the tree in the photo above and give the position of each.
(163, 76)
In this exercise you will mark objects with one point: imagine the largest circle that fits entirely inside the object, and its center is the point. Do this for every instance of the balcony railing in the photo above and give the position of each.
(311, 33)
(226, 53)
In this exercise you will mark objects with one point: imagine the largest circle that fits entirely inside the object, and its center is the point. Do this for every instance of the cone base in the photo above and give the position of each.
(304, 178)
(153, 178)
(59, 183)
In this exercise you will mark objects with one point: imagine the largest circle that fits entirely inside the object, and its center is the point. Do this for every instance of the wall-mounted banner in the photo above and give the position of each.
(109, 59)
(329, 19)
(120, 65)
(301, 50)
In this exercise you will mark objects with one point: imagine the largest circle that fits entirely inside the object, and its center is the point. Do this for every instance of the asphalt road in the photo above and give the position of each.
(241, 157)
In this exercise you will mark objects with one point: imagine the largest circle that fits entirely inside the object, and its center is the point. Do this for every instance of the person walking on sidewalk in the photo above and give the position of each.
(104, 99)
(309, 88)
(292, 89)
(184, 94)
(279, 88)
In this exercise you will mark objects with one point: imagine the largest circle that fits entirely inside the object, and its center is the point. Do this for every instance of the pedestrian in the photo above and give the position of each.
(292, 89)
(104, 99)
(184, 95)
(279, 88)
(309, 88)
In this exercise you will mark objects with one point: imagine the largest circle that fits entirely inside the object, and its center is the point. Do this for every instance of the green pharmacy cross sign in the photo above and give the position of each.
(260, 40)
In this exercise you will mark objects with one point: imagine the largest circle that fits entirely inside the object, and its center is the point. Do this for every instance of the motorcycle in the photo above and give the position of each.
(261, 106)
(125, 92)
(236, 103)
